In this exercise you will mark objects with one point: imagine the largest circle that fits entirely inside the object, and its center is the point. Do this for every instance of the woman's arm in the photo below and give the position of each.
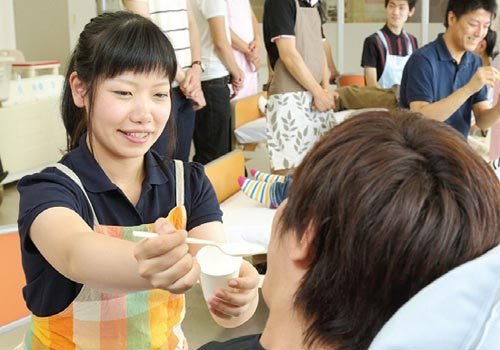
(109, 264)
(230, 308)
(296, 66)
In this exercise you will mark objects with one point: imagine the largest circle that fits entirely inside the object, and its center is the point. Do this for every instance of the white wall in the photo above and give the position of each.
(7, 31)
(79, 14)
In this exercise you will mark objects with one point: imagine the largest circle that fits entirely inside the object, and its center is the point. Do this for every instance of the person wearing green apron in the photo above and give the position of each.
(300, 107)
(90, 283)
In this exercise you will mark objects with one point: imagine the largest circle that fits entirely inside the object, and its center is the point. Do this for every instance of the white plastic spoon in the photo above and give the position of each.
(234, 249)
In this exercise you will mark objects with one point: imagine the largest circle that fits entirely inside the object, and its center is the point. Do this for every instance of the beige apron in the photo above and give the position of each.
(292, 125)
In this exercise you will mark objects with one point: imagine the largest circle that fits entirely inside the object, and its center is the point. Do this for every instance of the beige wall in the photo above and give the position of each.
(50, 31)
(41, 29)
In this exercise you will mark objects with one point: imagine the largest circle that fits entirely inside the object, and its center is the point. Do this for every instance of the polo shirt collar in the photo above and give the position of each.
(95, 179)
(386, 30)
(445, 55)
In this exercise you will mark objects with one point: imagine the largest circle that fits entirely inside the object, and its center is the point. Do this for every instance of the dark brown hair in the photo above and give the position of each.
(411, 3)
(396, 200)
(109, 45)
(462, 7)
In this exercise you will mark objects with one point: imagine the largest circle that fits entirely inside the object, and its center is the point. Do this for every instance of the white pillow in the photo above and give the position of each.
(458, 311)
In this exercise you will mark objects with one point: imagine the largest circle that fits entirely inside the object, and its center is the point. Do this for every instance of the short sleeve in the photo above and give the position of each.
(203, 205)
(480, 96)
(45, 190)
(419, 80)
(370, 55)
(37, 193)
(213, 8)
(281, 18)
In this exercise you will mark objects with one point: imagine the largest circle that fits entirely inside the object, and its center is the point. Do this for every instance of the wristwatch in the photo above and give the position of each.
(199, 63)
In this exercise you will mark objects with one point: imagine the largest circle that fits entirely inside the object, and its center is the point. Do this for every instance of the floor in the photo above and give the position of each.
(198, 326)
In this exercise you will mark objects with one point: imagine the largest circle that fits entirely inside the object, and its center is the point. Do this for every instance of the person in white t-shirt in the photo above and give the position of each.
(175, 19)
(212, 133)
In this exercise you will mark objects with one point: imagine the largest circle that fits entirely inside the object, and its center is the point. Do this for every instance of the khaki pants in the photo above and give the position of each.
(358, 97)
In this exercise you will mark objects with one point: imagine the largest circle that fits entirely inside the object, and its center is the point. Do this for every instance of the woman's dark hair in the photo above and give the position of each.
(491, 41)
(395, 200)
(109, 45)
(411, 3)
(462, 7)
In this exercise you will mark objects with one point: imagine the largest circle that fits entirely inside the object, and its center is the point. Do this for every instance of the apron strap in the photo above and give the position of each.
(71, 174)
(409, 44)
(384, 41)
(179, 182)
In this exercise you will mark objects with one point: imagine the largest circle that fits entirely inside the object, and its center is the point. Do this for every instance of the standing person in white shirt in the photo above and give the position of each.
(212, 133)
(246, 43)
(175, 19)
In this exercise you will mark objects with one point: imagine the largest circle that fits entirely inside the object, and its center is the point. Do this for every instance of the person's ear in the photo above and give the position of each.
(412, 11)
(78, 90)
(451, 18)
(300, 251)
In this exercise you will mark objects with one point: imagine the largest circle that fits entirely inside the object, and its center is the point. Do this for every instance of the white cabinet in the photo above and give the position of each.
(32, 136)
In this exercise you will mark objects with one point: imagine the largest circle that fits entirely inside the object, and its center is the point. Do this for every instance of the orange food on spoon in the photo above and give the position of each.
(178, 217)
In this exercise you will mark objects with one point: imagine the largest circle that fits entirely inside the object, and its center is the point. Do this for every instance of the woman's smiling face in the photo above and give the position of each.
(129, 113)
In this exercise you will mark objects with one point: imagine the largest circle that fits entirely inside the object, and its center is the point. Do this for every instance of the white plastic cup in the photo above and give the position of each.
(217, 269)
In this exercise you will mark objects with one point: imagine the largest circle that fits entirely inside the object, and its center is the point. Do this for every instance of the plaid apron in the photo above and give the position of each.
(96, 320)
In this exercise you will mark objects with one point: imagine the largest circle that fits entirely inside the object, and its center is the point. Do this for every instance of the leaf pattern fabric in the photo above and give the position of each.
(293, 127)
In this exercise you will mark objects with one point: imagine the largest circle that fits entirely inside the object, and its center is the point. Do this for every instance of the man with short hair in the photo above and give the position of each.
(373, 216)
(445, 80)
(386, 52)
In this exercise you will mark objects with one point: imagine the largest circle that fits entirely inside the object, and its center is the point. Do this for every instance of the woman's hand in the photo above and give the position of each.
(165, 260)
(240, 299)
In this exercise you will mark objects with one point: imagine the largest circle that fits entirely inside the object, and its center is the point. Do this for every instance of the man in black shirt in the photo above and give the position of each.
(385, 52)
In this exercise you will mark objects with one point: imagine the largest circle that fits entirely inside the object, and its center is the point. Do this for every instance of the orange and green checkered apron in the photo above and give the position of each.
(101, 321)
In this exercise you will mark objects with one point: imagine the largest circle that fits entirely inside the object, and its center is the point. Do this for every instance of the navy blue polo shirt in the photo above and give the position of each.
(47, 292)
(247, 342)
(432, 74)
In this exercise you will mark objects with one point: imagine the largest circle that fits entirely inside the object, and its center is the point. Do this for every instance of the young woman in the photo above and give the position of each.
(90, 285)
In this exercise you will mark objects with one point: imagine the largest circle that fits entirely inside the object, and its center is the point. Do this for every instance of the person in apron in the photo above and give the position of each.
(300, 107)
(386, 52)
(90, 283)
(245, 39)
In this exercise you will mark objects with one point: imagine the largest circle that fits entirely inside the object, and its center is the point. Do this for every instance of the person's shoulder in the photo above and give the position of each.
(372, 37)
(370, 44)
(193, 172)
(248, 342)
(412, 37)
(426, 53)
(49, 175)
